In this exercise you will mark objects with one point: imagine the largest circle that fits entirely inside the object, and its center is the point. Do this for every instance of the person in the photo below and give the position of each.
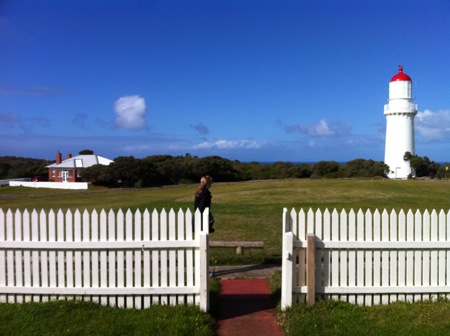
(203, 199)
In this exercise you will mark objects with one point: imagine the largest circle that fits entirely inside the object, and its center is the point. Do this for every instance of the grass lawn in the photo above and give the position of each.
(83, 318)
(247, 210)
(331, 318)
(244, 211)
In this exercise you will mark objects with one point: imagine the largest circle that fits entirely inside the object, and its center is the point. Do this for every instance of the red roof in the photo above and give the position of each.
(400, 76)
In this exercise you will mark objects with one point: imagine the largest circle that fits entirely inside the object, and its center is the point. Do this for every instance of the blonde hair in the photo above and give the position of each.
(205, 181)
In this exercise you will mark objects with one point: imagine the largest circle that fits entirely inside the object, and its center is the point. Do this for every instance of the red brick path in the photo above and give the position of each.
(247, 309)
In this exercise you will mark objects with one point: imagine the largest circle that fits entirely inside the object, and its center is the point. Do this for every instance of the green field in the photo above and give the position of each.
(84, 318)
(246, 210)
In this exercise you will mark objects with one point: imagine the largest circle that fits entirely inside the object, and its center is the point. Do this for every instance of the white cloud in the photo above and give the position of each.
(229, 144)
(130, 112)
(321, 129)
(433, 125)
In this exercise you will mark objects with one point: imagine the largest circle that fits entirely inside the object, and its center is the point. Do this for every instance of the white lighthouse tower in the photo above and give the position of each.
(400, 113)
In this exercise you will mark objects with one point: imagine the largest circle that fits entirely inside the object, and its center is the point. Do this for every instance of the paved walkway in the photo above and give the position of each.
(247, 309)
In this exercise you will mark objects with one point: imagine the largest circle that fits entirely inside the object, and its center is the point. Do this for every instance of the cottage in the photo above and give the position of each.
(69, 169)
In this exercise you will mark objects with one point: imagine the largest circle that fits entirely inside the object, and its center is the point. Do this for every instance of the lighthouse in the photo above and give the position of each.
(400, 113)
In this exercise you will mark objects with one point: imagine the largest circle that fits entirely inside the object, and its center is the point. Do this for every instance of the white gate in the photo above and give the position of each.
(365, 258)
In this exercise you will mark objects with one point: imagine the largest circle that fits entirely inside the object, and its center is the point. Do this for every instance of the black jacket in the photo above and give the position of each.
(203, 200)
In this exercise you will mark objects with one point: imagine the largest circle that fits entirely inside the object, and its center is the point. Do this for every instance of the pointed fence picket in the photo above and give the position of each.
(365, 258)
(132, 260)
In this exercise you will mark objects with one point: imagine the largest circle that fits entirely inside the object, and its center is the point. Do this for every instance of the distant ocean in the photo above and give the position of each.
(293, 162)
(313, 162)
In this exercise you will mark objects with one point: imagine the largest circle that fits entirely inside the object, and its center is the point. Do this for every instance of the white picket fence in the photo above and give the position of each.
(365, 258)
(132, 260)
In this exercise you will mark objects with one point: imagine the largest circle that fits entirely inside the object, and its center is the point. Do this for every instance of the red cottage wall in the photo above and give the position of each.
(57, 176)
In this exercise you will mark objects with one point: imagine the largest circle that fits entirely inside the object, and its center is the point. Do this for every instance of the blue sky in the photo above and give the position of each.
(297, 81)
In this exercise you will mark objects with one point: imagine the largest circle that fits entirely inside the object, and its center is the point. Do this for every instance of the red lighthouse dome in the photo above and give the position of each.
(400, 76)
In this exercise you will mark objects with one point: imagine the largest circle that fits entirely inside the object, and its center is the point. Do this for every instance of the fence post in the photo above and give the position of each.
(204, 271)
(287, 270)
(287, 222)
(311, 269)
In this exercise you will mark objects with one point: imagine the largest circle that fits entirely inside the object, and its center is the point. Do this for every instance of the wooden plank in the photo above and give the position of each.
(155, 254)
(368, 271)
(401, 267)
(334, 255)
(172, 256)
(27, 254)
(163, 268)
(385, 290)
(110, 291)
(120, 261)
(418, 254)
(147, 265)
(343, 254)
(311, 269)
(361, 259)
(409, 254)
(190, 260)
(324, 273)
(351, 261)
(132, 269)
(203, 271)
(103, 255)
(426, 256)
(111, 254)
(254, 244)
(181, 262)
(442, 259)
(393, 268)
(376, 255)
(44, 254)
(287, 274)
(78, 261)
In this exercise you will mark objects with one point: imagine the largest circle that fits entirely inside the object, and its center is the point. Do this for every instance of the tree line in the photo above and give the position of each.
(423, 166)
(16, 167)
(171, 170)
(158, 170)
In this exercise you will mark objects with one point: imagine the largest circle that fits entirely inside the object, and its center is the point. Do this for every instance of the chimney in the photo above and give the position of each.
(69, 156)
(58, 158)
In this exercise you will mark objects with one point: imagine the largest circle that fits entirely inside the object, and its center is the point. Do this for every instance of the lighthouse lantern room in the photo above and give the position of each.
(400, 113)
